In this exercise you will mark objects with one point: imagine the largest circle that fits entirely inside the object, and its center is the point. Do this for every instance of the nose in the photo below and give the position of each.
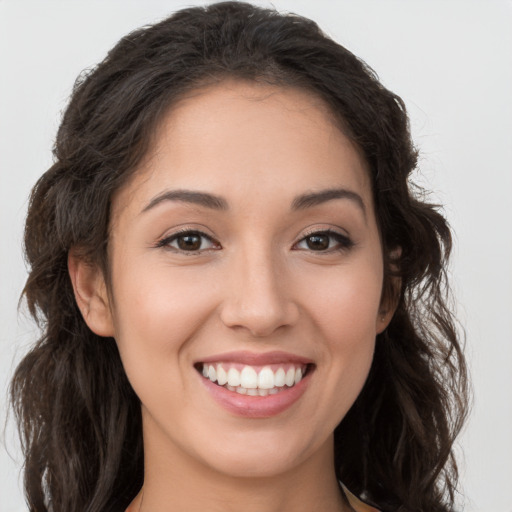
(258, 297)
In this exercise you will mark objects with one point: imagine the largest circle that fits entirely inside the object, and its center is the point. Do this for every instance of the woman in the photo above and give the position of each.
(243, 302)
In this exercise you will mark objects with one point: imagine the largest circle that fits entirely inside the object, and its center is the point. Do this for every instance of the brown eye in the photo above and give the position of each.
(319, 242)
(190, 242)
(325, 241)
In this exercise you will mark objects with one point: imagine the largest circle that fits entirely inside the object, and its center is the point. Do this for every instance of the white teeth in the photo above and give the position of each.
(289, 380)
(233, 377)
(266, 378)
(279, 378)
(249, 378)
(222, 376)
(249, 382)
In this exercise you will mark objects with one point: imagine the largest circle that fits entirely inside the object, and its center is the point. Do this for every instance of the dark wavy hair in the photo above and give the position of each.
(79, 419)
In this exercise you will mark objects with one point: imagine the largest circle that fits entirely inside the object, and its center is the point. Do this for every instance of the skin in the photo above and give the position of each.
(255, 285)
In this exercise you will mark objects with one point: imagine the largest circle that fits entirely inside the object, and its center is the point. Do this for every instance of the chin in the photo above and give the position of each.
(261, 455)
(256, 465)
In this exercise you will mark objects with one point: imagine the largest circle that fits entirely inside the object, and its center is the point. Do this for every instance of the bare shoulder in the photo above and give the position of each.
(356, 503)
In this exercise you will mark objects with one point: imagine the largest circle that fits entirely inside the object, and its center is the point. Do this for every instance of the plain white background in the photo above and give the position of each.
(451, 61)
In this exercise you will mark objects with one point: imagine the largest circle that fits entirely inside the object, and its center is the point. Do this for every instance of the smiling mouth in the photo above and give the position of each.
(254, 380)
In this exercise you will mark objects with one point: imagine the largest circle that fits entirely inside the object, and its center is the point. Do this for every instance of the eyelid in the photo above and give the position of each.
(344, 241)
(324, 229)
(165, 241)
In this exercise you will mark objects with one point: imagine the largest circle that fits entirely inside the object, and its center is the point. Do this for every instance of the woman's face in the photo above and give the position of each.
(246, 249)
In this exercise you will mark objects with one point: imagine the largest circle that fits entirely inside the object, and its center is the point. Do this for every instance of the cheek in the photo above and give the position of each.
(344, 306)
(345, 301)
(157, 312)
(347, 322)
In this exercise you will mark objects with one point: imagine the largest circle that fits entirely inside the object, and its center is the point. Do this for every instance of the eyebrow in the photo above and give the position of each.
(214, 202)
(311, 199)
(189, 196)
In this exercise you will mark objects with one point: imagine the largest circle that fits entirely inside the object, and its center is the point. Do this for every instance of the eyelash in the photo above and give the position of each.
(166, 242)
(344, 242)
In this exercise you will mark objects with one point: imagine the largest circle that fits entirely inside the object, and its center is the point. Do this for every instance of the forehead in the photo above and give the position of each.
(248, 137)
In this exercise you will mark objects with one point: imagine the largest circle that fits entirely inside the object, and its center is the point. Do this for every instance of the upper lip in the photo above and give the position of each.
(256, 359)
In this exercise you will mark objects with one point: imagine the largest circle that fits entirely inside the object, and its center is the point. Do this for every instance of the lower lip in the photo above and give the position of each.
(256, 406)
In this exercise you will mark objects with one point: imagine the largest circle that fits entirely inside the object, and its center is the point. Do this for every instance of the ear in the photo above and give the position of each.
(91, 294)
(383, 319)
(391, 291)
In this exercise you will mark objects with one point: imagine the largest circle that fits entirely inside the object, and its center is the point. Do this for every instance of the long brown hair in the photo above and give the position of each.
(78, 416)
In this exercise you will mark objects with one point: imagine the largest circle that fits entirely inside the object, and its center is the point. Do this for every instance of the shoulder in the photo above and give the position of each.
(356, 503)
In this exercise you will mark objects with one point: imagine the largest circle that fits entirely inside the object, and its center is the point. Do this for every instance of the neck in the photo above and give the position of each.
(256, 495)
(185, 484)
